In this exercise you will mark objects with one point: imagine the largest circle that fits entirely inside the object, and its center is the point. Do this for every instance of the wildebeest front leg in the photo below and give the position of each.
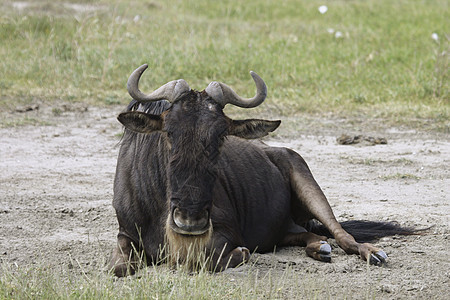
(122, 262)
(312, 198)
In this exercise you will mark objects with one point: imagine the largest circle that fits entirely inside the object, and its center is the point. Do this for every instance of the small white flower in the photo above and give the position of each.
(136, 18)
(323, 9)
(293, 38)
(338, 35)
(330, 30)
(435, 36)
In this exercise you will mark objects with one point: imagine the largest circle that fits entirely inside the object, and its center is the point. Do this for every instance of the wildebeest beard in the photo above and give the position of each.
(189, 251)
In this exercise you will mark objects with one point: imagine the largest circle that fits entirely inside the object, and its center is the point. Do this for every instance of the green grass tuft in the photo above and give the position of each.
(158, 282)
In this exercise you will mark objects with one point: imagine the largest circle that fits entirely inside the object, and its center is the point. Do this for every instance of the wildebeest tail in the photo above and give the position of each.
(365, 231)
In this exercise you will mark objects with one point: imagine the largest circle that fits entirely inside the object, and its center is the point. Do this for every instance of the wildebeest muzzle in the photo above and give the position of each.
(190, 222)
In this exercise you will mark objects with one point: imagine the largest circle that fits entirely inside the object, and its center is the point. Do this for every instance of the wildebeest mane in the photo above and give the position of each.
(154, 108)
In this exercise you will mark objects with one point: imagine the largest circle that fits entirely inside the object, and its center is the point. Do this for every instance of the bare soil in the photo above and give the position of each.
(56, 191)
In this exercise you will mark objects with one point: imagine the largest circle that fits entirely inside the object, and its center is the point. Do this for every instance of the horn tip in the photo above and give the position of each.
(254, 75)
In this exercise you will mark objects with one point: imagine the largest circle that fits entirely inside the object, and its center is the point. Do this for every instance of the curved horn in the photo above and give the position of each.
(171, 91)
(223, 94)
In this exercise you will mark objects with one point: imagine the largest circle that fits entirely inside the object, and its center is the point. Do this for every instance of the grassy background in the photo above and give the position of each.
(385, 64)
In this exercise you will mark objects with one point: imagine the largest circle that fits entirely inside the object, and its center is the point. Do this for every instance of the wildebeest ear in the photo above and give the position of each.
(140, 122)
(252, 128)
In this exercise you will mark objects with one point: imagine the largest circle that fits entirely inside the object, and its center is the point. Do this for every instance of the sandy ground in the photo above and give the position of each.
(56, 192)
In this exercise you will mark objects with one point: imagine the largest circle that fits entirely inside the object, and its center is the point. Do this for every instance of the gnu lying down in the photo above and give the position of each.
(191, 182)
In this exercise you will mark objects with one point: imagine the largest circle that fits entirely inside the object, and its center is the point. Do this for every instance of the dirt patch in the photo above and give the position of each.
(56, 192)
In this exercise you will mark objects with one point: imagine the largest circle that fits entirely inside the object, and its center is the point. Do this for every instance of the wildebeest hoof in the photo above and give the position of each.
(379, 258)
(123, 270)
(236, 257)
(372, 254)
(319, 250)
(245, 253)
(325, 252)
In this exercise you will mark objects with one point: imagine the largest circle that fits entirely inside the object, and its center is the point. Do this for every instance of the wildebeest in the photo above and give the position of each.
(190, 179)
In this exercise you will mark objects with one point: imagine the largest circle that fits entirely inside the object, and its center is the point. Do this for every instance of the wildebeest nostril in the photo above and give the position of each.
(190, 221)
